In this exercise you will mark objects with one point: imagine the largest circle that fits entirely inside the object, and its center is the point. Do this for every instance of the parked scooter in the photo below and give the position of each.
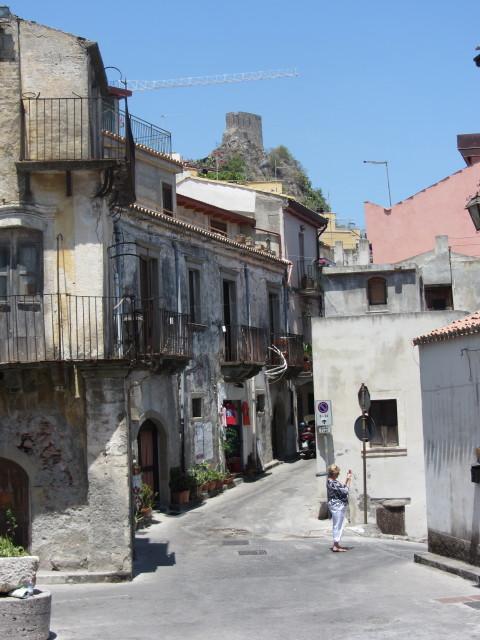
(308, 448)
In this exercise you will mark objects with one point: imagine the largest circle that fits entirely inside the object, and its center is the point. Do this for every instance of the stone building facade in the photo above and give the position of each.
(128, 320)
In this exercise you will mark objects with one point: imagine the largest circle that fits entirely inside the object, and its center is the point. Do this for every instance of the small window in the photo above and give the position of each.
(438, 297)
(217, 226)
(377, 291)
(167, 197)
(196, 407)
(260, 403)
(194, 296)
(384, 414)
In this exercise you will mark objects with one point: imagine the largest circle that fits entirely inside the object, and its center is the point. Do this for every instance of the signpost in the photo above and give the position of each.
(364, 402)
(323, 416)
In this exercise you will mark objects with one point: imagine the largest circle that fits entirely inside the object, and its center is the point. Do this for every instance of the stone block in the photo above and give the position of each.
(27, 619)
(17, 572)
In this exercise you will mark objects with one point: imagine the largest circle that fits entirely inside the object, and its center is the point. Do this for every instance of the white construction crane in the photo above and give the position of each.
(223, 78)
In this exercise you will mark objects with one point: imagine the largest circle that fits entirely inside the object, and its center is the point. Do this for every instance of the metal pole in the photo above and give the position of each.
(385, 162)
(364, 454)
(388, 183)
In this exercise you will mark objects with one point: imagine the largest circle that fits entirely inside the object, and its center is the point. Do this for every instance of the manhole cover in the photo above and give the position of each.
(234, 542)
(252, 552)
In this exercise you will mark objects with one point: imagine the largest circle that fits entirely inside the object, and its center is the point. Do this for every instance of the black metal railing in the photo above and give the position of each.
(149, 134)
(243, 344)
(291, 347)
(308, 273)
(58, 129)
(63, 327)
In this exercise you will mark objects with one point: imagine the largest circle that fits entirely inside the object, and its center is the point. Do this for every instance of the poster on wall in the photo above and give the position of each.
(203, 441)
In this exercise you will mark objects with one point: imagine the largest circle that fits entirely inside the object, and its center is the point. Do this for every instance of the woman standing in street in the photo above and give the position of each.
(337, 496)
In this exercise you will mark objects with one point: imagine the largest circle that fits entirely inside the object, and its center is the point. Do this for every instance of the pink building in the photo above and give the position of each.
(410, 226)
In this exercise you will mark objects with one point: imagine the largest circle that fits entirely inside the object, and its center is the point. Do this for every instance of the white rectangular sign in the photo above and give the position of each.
(323, 415)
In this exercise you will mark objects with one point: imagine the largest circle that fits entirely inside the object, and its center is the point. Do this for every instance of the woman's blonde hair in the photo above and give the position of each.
(333, 470)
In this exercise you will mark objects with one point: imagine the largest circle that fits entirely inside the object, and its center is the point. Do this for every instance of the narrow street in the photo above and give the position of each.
(255, 562)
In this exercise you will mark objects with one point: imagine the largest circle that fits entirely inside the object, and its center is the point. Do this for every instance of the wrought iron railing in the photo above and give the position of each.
(308, 273)
(63, 327)
(57, 129)
(291, 346)
(243, 344)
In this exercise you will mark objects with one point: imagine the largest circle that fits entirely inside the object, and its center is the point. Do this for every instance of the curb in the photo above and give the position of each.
(82, 577)
(449, 565)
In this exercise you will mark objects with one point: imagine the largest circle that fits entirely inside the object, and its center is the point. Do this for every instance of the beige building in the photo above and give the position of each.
(338, 231)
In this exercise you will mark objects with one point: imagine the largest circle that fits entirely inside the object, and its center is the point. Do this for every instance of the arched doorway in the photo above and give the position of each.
(147, 442)
(14, 499)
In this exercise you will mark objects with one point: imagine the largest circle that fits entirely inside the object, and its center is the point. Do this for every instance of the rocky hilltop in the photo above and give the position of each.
(241, 157)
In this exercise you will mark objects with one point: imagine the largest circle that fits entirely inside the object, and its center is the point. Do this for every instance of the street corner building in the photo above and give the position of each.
(449, 370)
(135, 323)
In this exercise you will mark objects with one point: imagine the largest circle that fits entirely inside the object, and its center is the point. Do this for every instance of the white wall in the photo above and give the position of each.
(377, 351)
(450, 376)
(223, 195)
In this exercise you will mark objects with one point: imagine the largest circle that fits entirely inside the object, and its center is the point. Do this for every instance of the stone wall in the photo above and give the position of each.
(72, 441)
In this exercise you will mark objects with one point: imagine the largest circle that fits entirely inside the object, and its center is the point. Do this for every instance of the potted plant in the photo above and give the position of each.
(147, 501)
(199, 474)
(219, 476)
(17, 567)
(180, 484)
(231, 447)
(228, 480)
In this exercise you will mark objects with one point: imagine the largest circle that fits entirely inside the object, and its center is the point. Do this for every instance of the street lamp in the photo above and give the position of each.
(385, 162)
(473, 206)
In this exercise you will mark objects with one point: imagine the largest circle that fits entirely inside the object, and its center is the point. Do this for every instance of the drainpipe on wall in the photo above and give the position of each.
(181, 377)
(251, 395)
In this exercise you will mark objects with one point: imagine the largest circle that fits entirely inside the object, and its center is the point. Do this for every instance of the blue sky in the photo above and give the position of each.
(379, 80)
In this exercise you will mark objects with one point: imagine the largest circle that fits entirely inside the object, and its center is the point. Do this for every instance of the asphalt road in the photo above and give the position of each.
(256, 563)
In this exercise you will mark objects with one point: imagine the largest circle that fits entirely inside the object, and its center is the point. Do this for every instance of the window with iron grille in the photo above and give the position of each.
(377, 291)
(384, 414)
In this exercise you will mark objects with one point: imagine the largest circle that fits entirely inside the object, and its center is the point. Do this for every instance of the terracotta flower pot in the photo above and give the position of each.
(181, 497)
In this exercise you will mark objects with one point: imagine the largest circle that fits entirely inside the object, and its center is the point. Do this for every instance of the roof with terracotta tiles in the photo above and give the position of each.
(463, 327)
(175, 222)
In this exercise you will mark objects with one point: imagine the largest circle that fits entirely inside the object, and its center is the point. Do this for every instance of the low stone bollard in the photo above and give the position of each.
(27, 619)
(23, 618)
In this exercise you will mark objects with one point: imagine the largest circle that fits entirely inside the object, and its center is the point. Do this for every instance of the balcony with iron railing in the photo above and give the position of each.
(67, 328)
(83, 130)
(291, 347)
(243, 351)
(308, 274)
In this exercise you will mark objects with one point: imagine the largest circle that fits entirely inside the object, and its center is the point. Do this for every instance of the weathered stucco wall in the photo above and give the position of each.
(175, 254)
(450, 379)
(9, 114)
(378, 351)
(346, 294)
(71, 439)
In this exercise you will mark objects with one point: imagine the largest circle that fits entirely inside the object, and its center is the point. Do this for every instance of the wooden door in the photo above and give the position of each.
(14, 499)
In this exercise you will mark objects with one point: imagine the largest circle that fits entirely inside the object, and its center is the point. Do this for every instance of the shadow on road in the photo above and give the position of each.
(150, 555)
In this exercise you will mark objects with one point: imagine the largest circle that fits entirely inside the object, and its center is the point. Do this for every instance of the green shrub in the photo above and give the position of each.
(179, 481)
(9, 550)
